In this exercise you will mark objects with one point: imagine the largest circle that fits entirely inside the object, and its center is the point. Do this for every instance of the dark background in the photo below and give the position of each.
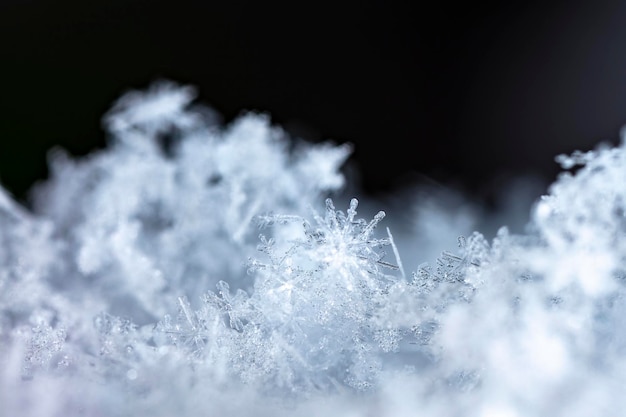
(462, 93)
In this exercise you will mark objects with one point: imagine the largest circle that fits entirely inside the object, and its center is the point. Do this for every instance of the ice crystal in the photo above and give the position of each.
(139, 284)
(43, 345)
(138, 219)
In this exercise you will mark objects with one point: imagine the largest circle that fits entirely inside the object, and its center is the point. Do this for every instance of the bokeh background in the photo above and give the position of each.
(466, 94)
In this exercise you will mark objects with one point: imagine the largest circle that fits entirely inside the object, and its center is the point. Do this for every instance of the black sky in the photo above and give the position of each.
(459, 92)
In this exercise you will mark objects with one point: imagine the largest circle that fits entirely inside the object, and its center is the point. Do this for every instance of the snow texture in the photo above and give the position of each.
(192, 268)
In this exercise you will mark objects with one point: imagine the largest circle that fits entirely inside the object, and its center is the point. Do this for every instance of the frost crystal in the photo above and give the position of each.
(43, 344)
(138, 284)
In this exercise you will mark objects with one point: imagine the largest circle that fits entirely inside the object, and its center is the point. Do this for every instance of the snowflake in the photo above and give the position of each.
(44, 344)
(187, 331)
(339, 241)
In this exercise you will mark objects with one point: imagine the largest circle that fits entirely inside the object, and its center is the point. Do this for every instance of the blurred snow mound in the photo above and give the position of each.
(192, 266)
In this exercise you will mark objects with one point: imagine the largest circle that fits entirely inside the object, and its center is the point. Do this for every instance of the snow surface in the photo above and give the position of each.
(195, 269)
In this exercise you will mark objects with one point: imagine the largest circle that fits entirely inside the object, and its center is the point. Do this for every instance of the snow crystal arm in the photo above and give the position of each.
(368, 230)
(185, 308)
(396, 253)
